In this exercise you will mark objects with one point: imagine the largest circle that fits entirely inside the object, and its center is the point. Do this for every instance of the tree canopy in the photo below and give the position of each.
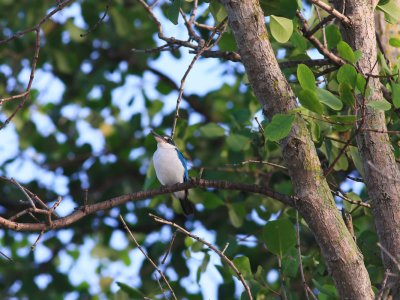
(84, 82)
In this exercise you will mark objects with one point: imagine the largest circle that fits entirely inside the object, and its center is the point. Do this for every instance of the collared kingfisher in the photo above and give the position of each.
(171, 168)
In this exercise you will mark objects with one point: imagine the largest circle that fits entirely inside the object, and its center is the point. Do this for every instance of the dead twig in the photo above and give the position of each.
(36, 29)
(329, 9)
(169, 247)
(98, 22)
(147, 256)
(209, 44)
(298, 246)
(33, 247)
(212, 247)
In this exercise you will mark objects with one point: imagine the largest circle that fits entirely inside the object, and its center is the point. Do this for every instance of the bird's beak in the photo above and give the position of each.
(158, 137)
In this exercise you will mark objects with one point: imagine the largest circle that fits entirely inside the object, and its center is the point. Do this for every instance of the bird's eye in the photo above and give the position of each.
(169, 140)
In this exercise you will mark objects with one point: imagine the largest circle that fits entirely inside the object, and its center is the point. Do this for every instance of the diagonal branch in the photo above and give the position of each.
(212, 247)
(147, 256)
(329, 9)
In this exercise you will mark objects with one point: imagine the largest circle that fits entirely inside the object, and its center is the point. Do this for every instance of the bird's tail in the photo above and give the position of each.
(187, 206)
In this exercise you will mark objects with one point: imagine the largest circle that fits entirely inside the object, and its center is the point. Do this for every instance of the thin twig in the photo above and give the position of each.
(147, 256)
(356, 179)
(320, 25)
(298, 246)
(3, 100)
(169, 247)
(381, 131)
(207, 46)
(98, 22)
(36, 29)
(329, 9)
(225, 247)
(359, 203)
(382, 173)
(24, 192)
(161, 288)
(379, 295)
(394, 259)
(6, 256)
(323, 27)
(318, 45)
(33, 247)
(251, 161)
(212, 247)
(283, 281)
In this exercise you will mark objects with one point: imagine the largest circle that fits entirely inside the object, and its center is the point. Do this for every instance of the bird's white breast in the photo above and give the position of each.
(169, 169)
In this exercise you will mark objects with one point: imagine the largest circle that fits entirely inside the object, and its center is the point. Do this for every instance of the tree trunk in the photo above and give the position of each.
(382, 176)
(317, 206)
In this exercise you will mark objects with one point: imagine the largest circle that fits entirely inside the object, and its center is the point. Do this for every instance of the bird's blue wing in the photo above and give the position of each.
(184, 164)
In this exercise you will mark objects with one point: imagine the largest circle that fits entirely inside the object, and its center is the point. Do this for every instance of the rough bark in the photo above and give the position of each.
(316, 203)
(382, 176)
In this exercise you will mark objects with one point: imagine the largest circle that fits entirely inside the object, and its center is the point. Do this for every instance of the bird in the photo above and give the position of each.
(171, 168)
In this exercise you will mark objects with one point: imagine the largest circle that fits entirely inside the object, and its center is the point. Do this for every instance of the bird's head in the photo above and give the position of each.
(163, 140)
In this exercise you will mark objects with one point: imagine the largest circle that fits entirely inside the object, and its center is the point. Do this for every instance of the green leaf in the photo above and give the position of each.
(188, 242)
(279, 127)
(290, 263)
(209, 199)
(153, 107)
(333, 36)
(394, 42)
(243, 264)
(346, 94)
(391, 10)
(329, 99)
(326, 289)
(281, 28)
(344, 122)
(383, 64)
(357, 55)
(299, 42)
(306, 77)
(396, 94)
(356, 158)
(74, 31)
(282, 8)
(238, 142)
(309, 100)
(132, 292)
(347, 74)
(122, 26)
(380, 105)
(151, 178)
(361, 83)
(205, 262)
(236, 214)
(315, 130)
(212, 130)
(346, 52)
(173, 11)
(279, 236)
(62, 62)
(197, 246)
(218, 11)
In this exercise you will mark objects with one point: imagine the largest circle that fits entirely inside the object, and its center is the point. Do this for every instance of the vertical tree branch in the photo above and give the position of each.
(375, 148)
